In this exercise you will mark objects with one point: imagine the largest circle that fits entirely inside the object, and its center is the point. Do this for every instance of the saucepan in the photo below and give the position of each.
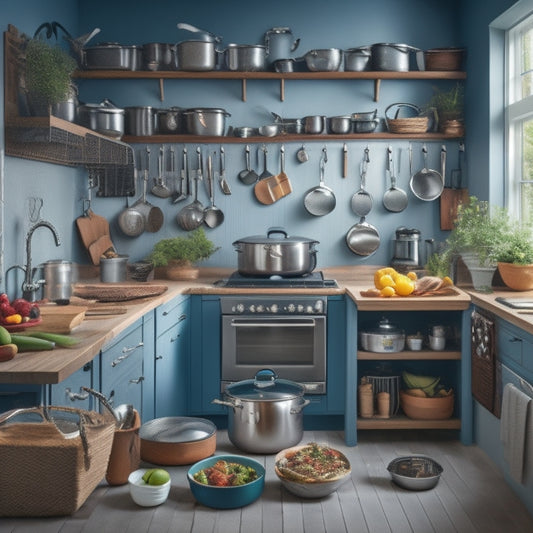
(323, 60)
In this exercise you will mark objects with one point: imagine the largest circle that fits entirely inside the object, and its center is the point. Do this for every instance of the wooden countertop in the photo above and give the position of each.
(54, 366)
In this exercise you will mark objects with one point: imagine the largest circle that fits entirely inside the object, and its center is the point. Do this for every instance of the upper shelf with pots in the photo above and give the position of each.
(376, 76)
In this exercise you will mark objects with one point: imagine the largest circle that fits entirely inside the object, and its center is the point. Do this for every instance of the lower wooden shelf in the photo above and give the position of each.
(403, 422)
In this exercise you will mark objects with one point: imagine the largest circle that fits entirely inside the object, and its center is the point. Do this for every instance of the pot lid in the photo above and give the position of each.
(265, 386)
(269, 239)
(177, 429)
(386, 328)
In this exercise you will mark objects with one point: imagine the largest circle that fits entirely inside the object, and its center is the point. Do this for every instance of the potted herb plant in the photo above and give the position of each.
(177, 256)
(46, 75)
(450, 110)
(480, 230)
(515, 258)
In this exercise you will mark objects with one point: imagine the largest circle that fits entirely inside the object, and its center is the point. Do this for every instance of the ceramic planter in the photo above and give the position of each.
(517, 277)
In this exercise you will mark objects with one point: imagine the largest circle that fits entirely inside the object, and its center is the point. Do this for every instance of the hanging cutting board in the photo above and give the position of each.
(94, 228)
(452, 196)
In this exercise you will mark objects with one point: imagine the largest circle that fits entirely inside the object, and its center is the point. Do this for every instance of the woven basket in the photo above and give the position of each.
(416, 124)
(44, 472)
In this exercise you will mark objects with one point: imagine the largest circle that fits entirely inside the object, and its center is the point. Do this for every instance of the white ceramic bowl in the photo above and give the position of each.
(437, 343)
(147, 495)
(316, 489)
(414, 343)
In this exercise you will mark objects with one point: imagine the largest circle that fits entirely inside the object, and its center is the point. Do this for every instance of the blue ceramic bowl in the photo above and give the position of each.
(227, 497)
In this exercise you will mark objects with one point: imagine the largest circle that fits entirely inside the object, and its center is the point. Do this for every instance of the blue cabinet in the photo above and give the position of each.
(171, 357)
(121, 372)
(70, 393)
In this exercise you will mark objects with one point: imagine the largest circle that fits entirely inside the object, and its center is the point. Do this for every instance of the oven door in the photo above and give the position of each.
(293, 347)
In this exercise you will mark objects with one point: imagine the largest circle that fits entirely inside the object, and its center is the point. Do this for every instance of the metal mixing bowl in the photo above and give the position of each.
(415, 472)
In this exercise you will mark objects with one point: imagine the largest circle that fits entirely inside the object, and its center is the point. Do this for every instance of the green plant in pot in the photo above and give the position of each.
(480, 230)
(47, 75)
(450, 109)
(178, 255)
(515, 258)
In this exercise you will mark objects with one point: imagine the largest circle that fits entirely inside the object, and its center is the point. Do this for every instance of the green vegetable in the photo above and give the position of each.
(65, 341)
(31, 344)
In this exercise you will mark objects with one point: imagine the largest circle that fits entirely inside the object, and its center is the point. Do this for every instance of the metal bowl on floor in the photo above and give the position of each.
(415, 472)
(177, 440)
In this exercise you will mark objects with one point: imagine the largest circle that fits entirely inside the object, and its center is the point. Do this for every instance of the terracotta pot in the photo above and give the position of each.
(125, 453)
(517, 277)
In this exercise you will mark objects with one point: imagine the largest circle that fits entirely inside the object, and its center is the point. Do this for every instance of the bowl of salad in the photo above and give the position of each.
(226, 481)
(312, 470)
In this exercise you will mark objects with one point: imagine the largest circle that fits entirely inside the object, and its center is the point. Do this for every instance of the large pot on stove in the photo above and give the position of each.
(265, 413)
(275, 256)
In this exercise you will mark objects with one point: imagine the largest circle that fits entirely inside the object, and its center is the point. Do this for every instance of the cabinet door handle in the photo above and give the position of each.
(137, 381)
(126, 352)
(73, 396)
(182, 318)
(158, 357)
(515, 339)
(174, 339)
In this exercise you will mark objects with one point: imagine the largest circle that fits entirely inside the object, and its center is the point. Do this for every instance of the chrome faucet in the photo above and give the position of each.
(29, 286)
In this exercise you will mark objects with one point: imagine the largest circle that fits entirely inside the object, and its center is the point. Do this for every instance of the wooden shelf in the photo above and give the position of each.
(403, 422)
(204, 139)
(407, 355)
(282, 77)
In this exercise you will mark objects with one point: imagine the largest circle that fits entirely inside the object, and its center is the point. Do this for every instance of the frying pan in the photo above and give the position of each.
(363, 238)
(394, 199)
(362, 200)
(426, 184)
(320, 200)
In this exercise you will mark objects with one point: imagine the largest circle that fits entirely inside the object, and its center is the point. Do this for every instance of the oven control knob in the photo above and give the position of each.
(274, 308)
(319, 306)
(240, 308)
(309, 309)
(300, 308)
(260, 309)
(252, 308)
(291, 308)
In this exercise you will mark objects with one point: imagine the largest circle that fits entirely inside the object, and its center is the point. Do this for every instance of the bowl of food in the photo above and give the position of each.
(226, 481)
(149, 486)
(417, 405)
(312, 470)
(415, 472)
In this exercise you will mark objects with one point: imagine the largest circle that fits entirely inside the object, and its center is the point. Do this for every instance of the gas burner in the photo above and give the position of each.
(312, 280)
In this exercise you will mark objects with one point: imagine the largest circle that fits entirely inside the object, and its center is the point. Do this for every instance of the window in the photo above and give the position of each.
(519, 118)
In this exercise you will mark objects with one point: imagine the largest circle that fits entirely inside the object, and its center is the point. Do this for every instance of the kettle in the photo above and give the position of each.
(279, 44)
(406, 247)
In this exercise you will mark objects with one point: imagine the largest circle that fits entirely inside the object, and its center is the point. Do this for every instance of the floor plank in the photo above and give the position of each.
(471, 496)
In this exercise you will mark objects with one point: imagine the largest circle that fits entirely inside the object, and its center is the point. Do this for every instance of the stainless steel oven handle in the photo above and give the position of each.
(310, 324)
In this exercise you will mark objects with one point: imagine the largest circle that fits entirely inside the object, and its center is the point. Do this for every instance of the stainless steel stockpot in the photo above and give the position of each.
(105, 118)
(205, 121)
(390, 56)
(169, 120)
(139, 120)
(265, 414)
(196, 55)
(357, 59)
(113, 56)
(159, 56)
(385, 338)
(270, 256)
(245, 57)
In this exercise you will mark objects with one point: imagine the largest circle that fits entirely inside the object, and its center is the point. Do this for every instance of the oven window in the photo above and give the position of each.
(275, 342)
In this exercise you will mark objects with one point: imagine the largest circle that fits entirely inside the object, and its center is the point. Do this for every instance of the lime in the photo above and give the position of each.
(5, 336)
(156, 476)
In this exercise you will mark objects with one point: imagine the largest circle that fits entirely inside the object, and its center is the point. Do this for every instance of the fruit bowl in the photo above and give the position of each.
(228, 497)
(309, 487)
(13, 328)
(147, 495)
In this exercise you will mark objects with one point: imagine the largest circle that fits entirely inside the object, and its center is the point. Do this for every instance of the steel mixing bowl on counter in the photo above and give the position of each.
(312, 470)
(211, 483)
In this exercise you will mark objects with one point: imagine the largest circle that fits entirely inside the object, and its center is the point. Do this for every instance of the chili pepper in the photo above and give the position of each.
(13, 319)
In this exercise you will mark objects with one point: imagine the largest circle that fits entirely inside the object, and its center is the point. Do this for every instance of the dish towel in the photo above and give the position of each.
(516, 431)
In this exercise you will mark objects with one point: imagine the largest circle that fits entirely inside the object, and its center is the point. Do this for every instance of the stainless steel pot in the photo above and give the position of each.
(385, 338)
(395, 57)
(327, 59)
(314, 124)
(341, 124)
(59, 277)
(265, 414)
(357, 59)
(139, 120)
(104, 118)
(245, 57)
(205, 121)
(268, 256)
(113, 56)
(196, 55)
(169, 120)
(159, 56)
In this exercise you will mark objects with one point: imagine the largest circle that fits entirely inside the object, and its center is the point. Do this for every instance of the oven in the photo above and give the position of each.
(284, 333)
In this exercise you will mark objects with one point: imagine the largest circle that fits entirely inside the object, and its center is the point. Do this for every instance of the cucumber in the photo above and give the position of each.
(65, 341)
(31, 344)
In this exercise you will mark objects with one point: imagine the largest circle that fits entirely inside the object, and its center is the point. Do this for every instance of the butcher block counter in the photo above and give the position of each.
(54, 366)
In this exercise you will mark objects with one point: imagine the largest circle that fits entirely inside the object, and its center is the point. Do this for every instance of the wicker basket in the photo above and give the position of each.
(416, 124)
(45, 471)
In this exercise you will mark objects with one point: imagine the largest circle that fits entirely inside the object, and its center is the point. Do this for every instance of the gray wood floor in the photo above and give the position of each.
(471, 496)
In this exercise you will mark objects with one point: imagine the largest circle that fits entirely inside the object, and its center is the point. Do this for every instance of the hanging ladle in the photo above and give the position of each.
(248, 175)
(160, 189)
(213, 216)
(180, 193)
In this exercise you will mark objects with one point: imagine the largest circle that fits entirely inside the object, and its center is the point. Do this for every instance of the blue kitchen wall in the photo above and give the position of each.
(336, 24)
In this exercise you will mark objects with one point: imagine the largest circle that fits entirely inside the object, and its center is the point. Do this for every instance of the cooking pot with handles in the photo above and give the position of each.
(268, 256)
(265, 413)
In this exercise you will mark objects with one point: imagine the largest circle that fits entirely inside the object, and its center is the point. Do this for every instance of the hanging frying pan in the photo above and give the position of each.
(362, 200)
(426, 184)
(363, 238)
(320, 200)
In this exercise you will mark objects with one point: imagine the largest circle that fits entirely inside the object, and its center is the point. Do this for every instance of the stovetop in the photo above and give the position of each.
(314, 280)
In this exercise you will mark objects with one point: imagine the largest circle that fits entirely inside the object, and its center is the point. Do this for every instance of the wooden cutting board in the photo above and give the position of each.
(449, 201)
(60, 318)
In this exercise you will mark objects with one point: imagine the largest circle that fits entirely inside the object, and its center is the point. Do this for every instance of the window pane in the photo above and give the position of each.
(526, 45)
(526, 201)
(527, 150)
